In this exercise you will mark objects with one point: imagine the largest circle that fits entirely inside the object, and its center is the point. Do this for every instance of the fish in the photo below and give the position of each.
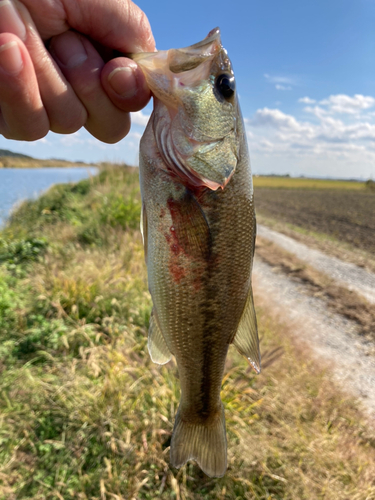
(198, 226)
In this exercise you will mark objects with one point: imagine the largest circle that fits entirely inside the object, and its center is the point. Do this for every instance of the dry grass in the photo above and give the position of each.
(85, 414)
(305, 183)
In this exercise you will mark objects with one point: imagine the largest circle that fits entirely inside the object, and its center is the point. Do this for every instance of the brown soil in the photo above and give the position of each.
(330, 246)
(347, 216)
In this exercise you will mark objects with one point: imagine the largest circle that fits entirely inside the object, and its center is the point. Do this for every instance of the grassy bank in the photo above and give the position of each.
(85, 414)
(24, 162)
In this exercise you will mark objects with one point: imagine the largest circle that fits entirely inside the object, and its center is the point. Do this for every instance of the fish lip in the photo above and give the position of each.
(213, 36)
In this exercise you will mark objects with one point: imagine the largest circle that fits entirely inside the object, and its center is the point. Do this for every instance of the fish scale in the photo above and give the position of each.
(199, 232)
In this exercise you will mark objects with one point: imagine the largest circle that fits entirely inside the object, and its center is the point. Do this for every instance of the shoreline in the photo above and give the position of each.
(11, 164)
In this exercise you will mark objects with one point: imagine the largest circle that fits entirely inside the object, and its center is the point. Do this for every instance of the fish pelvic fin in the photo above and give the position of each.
(206, 444)
(157, 347)
(246, 338)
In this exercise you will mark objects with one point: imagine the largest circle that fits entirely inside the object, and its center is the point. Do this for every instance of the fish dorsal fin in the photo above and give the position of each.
(157, 347)
(246, 338)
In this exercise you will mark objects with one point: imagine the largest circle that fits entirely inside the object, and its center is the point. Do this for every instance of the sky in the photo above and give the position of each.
(305, 73)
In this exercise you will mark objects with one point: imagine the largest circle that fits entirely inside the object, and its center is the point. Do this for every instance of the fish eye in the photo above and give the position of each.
(226, 85)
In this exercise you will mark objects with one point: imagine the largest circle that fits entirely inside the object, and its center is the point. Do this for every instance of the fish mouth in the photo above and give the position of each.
(213, 36)
(191, 157)
(173, 62)
(203, 49)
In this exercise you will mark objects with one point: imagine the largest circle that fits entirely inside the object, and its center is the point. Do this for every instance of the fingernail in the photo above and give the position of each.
(123, 82)
(10, 58)
(69, 50)
(10, 21)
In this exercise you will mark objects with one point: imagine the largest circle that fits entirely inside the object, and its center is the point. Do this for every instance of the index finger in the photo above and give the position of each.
(119, 25)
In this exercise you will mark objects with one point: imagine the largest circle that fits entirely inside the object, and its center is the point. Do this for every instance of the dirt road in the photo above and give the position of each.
(349, 275)
(332, 338)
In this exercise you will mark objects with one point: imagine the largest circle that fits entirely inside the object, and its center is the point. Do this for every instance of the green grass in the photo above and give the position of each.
(85, 414)
(305, 183)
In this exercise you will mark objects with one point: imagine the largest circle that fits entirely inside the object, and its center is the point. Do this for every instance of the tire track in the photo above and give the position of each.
(331, 337)
(346, 274)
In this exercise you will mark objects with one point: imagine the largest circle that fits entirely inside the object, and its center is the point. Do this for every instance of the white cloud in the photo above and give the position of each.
(286, 80)
(71, 139)
(282, 87)
(342, 103)
(316, 110)
(135, 135)
(323, 145)
(40, 142)
(281, 82)
(95, 143)
(307, 100)
(273, 118)
(43, 140)
(138, 118)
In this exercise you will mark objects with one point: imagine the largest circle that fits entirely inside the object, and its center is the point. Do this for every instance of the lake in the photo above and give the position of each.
(17, 185)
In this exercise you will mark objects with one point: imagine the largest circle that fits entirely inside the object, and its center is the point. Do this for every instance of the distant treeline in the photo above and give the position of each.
(6, 152)
(10, 159)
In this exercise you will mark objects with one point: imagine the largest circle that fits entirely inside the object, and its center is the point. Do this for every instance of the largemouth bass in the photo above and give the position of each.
(198, 225)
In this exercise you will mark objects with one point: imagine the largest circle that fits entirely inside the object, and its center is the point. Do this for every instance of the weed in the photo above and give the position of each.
(85, 414)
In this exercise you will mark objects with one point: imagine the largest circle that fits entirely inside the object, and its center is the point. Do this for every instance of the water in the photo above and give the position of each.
(17, 185)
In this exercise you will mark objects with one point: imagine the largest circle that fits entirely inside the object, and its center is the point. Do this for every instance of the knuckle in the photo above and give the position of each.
(88, 90)
(68, 123)
(28, 136)
(108, 134)
(30, 133)
(33, 135)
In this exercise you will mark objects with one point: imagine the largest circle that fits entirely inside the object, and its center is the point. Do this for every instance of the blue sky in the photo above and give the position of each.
(305, 74)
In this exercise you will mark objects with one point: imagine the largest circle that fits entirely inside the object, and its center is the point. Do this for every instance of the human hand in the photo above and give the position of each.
(71, 85)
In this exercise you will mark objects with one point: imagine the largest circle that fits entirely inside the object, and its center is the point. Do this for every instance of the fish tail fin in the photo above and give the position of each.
(205, 443)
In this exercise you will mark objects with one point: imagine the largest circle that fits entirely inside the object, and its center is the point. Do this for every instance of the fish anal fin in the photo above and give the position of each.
(206, 444)
(157, 347)
(246, 338)
(190, 227)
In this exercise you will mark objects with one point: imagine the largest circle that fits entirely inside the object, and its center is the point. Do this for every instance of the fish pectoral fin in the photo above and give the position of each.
(190, 226)
(246, 338)
(157, 347)
(144, 229)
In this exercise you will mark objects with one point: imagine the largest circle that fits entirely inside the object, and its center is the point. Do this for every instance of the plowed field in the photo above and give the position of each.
(346, 215)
